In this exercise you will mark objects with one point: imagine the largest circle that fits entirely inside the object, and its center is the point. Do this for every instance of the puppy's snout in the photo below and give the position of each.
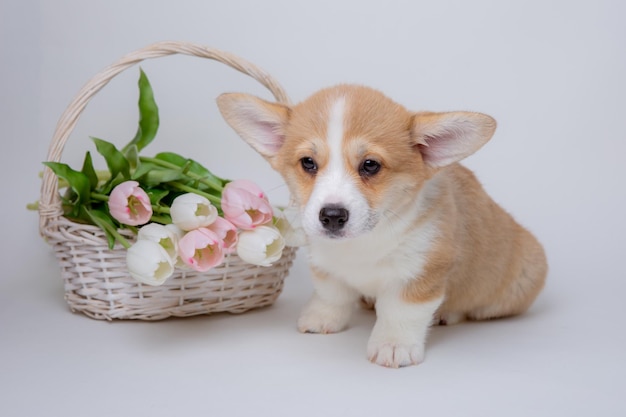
(333, 218)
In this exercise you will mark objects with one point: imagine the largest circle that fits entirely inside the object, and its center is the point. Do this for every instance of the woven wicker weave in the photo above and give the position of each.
(97, 282)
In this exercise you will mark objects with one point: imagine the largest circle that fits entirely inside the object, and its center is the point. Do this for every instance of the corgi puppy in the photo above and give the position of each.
(390, 216)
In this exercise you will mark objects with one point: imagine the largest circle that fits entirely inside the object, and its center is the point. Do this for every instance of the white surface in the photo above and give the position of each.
(551, 73)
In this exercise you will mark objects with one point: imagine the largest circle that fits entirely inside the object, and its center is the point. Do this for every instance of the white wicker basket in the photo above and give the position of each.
(97, 282)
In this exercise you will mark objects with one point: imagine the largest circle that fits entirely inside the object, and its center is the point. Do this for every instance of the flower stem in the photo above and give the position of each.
(212, 198)
(99, 197)
(119, 237)
(160, 209)
(161, 219)
(109, 228)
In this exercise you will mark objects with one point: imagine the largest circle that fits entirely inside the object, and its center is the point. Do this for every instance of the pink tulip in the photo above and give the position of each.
(226, 231)
(201, 249)
(245, 205)
(129, 204)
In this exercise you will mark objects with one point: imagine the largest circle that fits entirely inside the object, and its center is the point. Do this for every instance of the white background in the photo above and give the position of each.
(552, 74)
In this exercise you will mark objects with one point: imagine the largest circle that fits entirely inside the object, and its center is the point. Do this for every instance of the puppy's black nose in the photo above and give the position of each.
(333, 218)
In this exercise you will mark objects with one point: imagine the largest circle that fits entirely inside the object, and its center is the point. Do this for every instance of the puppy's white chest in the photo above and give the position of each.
(373, 263)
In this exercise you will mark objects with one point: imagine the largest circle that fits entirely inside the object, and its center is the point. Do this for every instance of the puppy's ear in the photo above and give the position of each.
(258, 122)
(445, 138)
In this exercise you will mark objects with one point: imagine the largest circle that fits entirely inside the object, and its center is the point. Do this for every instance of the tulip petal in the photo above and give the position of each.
(245, 205)
(227, 232)
(149, 263)
(289, 224)
(129, 204)
(201, 249)
(262, 246)
(163, 235)
(191, 211)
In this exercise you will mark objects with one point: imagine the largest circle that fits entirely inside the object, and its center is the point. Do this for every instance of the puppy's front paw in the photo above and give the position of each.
(395, 355)
(320, 317)
(399, 335)
(396, 346)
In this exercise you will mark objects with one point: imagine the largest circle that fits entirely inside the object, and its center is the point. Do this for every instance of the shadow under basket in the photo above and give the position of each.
(97, 282)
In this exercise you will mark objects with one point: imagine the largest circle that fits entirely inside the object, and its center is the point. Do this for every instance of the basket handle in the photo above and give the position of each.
(50, 203)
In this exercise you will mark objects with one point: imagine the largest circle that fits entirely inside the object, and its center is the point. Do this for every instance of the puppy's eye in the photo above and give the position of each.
(308, 165)
(369, 167)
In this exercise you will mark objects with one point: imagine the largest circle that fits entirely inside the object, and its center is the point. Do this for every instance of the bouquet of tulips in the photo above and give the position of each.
(181, 213)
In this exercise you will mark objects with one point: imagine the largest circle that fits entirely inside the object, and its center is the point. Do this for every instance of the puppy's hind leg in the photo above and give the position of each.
(447, 318)
(521, 290)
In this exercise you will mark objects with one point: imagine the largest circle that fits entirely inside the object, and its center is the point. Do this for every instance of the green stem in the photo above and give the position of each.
(207, 181)
(161, 219)
(118, 236)
(99, 197)
(109, 228)
(213, 199)
(161, 209)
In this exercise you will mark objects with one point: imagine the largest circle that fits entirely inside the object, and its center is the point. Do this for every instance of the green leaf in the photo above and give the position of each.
(116, 161)
(196, 168)
(143, 169)
(150, 175)
(160, 176)
(132, 156)
(148, 115)
(156, 195)
(188, 165)
(104, 221)
(78, 182)
(172, 158)
(89, 171)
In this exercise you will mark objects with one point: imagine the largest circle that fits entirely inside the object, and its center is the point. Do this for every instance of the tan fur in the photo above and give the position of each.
(432, 282)
(367, 132)
(485, 263)
(490, 265)
(499, 267)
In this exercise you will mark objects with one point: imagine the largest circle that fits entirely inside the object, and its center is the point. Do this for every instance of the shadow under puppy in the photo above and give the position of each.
(390, 215)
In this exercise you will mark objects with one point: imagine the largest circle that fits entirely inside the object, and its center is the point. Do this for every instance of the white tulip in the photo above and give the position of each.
(261, 246)
(191, 211)
(178, 233)
(166, 236)
(289, 224)
(148, 262)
